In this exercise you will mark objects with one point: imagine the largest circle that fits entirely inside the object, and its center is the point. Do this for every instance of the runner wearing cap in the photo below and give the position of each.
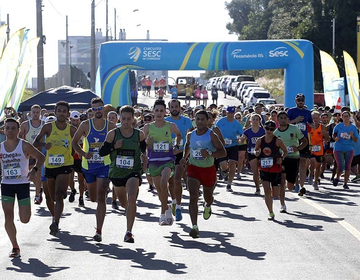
(268, 150)
(301, 117)
(231, 130)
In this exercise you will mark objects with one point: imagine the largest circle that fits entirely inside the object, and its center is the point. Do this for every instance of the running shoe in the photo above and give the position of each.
(228, 188)
(15, 253)
(178, 214)
(168, 216)
(346, 187)
(302, 191)
(81, 202)
(114, 205)
(207, 212)
(38, 199)
(163, 221)
(283, 208)
(322, 176)
(54, 229)
(97, 237)
(271, 216)
(173, 208)
(257, 192)
(194, 232)
(297, 188)
(335, 182)
(65, 194)
(72, 195)
(151, 188)
(129, 237)
(87, 193)
(356, 179)
(316, 187)
(238, 176)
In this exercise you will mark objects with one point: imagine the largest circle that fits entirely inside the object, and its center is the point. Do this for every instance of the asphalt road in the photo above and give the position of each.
(319, 238)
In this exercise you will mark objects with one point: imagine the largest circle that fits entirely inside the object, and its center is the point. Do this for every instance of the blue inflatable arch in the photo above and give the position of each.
(295, 56)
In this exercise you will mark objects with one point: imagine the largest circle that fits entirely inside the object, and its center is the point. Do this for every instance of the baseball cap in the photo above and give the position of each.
(270, 124)
(231, 109)
(299, 95)
(75, 115)
(50, 119)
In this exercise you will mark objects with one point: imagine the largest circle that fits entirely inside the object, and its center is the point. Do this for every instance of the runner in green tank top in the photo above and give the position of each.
(124, 144)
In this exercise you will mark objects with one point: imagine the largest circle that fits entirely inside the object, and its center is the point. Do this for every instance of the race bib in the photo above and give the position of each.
(301, 126)
(290, 149)
(332, 145)
(316, 148)
(344, 135)
(197, 154)
(228, 141)
(125, 162)
(267, 162)
(12, 172)
(56, 160)
(161, 146)
(96, 158)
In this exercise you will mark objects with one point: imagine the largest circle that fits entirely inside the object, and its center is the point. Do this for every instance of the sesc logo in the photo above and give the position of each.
(279, 52)
(134, 53)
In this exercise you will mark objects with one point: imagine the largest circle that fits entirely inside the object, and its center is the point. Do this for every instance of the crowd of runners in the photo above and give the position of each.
(174, 149)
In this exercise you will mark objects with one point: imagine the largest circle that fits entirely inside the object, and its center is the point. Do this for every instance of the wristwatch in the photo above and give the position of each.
(209, 152)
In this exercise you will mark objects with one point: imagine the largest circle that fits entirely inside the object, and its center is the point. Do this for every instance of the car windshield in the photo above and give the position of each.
(261, 94)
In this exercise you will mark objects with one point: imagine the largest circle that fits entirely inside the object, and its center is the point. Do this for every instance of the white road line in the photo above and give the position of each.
(330, 214)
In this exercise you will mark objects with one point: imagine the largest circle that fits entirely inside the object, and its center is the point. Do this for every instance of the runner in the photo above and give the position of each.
(202, 145)
(345, 134)
(188, 94)
(301, 117)
(268, 150)
(184, 124)
(162, 84)
(156, 85)
(161, 156)
(124, 146)
(28, 131)
(205, 96)
(251, 135)
(197, 95)
(148, 85)
(95, 168)
(294, 141)
(214, 95)
(15, 154)
(231, 129)
(318, 136)
(59, 161)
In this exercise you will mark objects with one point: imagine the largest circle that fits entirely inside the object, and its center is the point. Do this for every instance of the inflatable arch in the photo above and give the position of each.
(295, 56)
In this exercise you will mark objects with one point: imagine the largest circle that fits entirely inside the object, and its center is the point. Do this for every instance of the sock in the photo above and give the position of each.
(174, 201)
(178, 206)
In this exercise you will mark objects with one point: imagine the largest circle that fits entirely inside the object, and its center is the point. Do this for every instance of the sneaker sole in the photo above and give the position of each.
(54, 229)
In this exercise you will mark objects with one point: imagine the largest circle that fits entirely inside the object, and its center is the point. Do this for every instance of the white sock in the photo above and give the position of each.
(174, 201)
(178, 206)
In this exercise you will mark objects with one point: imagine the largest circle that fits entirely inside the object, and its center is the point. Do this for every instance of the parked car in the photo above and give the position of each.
(230, 81)
(256, 94)
(241, 87)
(245, 91)
(266, 101)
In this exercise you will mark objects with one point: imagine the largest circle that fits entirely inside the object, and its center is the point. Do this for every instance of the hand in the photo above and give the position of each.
(88, 155)
(299, 118)
(351, 133)
(182, 162)
(48, 146)
(257, 153)
(118, 144)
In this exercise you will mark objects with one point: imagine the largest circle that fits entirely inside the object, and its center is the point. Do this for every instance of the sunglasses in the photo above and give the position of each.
(269, 128)
(97, 108)
(300, 100)
(148, 119)
(238, 118)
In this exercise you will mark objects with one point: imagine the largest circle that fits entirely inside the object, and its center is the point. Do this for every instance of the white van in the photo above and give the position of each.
(241, 87)
(255, 95)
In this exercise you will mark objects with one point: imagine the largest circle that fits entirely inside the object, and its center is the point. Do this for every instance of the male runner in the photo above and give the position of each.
(14, 154)
(123, 145)
(184, 124)
(95, 167)
(59, 161)
(202, 146)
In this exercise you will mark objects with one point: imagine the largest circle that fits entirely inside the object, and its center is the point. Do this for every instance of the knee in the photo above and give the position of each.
(25, 219)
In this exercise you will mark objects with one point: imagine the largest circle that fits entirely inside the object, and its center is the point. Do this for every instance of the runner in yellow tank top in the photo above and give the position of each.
(59, 161)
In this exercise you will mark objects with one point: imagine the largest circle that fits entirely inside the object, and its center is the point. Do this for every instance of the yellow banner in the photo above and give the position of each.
(358, 43)
(352, 79)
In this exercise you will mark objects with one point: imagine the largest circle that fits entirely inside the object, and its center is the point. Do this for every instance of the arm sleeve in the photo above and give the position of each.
(106, 149)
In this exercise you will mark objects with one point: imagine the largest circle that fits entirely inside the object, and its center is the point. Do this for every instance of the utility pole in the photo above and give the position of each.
(107, 21)
(115, 24)
(8, 28)
(67, 52)
(93, 53)
(333, 38)
(40, 48)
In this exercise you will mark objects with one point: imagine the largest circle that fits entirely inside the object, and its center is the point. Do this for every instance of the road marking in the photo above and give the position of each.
(330, 214)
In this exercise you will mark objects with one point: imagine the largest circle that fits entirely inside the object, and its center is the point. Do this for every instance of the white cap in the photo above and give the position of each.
(75, 115)
(50, 119)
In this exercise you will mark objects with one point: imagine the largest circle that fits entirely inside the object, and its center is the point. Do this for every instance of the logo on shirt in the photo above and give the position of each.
(267, 151)
(65, 143)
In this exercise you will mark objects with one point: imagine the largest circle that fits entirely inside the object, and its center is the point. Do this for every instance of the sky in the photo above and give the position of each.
(175, 20)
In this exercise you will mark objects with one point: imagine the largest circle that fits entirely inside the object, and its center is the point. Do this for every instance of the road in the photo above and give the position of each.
(319, 238)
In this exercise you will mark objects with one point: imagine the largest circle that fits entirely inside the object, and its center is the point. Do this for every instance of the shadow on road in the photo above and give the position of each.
(34, 267)
(140, 258)
(224, 245)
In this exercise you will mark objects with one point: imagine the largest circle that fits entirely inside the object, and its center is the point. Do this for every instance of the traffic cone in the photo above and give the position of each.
(338, 106)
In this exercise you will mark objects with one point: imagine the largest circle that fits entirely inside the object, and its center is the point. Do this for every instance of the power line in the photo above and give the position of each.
(60, 14)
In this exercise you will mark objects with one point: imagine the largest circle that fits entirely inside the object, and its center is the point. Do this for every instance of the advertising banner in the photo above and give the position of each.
(352, 80)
